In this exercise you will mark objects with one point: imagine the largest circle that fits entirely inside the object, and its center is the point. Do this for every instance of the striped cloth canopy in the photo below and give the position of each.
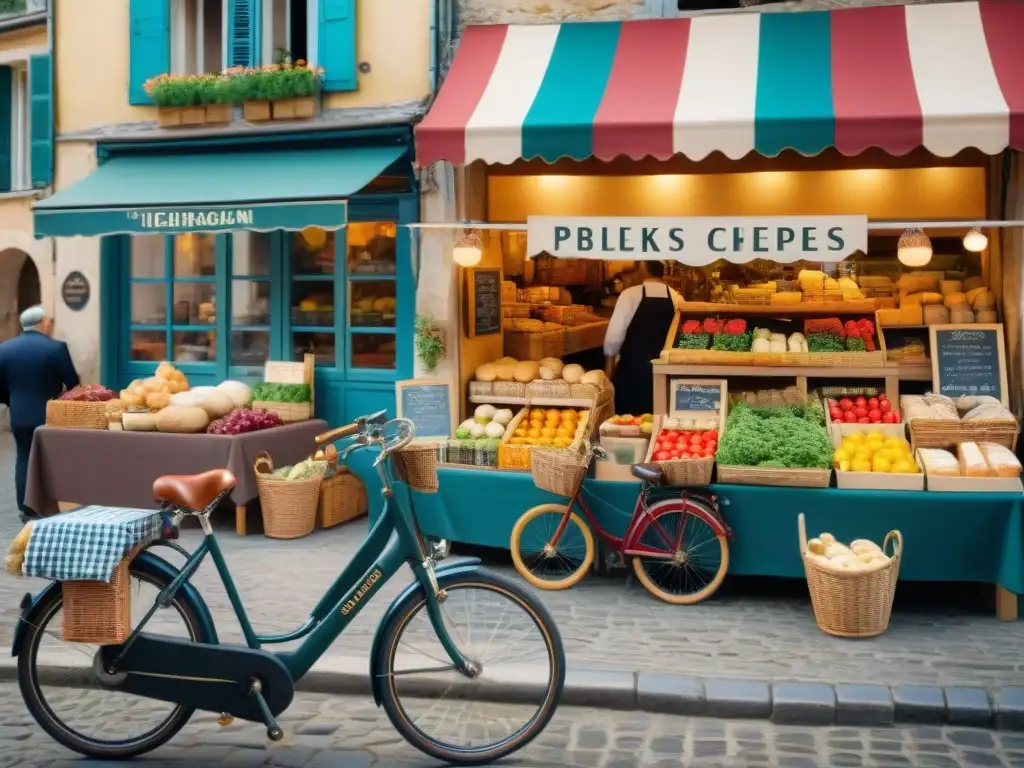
(945, 77)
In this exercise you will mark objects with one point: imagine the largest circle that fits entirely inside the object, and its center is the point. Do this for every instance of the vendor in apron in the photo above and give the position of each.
(636, 335)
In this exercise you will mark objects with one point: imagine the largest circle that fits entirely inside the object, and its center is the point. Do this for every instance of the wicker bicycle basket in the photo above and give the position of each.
(557, 470)
(289, 506)
(416, 465)
(852, 604)
(96, 612)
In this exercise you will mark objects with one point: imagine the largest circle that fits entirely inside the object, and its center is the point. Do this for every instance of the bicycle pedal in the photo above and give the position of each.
(225, 720)
(285, 740)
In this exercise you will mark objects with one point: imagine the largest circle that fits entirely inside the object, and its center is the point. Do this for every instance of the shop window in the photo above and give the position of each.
(197, 36)
(371, 294)
(21, 177)
(289, 30)
(373, 350)
(311, 297)
(250, 299)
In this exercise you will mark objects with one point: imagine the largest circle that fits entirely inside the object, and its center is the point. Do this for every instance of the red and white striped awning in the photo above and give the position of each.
(945, 77)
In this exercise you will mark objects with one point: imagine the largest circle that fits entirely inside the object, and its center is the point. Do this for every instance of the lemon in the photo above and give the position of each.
(548, 432)
(563, 432)
(840, 456)
(561, 442)
(534, 432)
(520, 432)
(881, 463)
(862, 454)
(544, 441)
(876, 436)
(895, 443)
(844, 466)
(856, 437)
(901, 467)
(860, 465)
(849, 446)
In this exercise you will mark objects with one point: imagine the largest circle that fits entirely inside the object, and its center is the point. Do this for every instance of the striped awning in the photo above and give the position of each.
(945, 77)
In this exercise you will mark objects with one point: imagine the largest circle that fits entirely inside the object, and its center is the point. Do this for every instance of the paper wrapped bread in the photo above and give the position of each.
(1000, 459)
(938, 462)
(972, 461)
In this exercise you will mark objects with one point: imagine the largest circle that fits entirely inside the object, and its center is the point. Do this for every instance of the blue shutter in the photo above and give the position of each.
(243, 32)
(6, 122)
(40, 83)
(149, 46)
(337, 44)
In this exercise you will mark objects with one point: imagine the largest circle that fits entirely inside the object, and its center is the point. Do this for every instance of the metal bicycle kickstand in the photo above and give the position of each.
(274, 732)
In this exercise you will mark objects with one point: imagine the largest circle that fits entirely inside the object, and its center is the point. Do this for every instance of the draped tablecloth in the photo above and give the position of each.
(117, 469)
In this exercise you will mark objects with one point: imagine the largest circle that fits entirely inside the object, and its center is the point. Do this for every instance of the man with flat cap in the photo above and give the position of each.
(34, 369)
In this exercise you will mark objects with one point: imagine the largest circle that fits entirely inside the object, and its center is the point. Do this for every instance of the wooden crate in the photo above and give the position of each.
(534, 346)
(286, 372)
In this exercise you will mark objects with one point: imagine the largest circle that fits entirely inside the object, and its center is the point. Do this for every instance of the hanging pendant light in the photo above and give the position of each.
(975, 241)
(914, 248)
(468, 250)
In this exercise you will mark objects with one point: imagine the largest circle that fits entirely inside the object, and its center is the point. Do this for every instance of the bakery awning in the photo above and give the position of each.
(214, 192)
(942, 76)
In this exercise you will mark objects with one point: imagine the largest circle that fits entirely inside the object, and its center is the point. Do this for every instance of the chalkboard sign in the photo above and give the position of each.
(427, 403)
(969, 360)
(75, 291)
(483, 302)
(698, 395)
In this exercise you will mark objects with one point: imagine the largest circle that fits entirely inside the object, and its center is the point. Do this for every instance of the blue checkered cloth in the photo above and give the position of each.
(88, 543)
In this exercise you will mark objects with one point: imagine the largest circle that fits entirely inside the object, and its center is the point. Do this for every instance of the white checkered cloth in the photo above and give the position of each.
(88, 543)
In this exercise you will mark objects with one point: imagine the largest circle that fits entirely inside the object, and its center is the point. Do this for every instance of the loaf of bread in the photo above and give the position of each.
(972, 461)
(1001, 460)
(952, 300)
(947, 287)
(934, 314)
(938, 462)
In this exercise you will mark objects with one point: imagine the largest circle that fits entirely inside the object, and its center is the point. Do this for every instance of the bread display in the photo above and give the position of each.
(938, 462)
(972, 461)
(1001, 460)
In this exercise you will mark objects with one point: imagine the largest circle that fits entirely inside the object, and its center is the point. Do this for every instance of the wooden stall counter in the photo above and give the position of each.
(117, 469)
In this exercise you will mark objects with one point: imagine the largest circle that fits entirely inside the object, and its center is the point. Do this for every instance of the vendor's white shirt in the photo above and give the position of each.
(626, 307)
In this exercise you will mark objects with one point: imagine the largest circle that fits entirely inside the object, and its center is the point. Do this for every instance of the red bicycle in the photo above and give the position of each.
(677, 539)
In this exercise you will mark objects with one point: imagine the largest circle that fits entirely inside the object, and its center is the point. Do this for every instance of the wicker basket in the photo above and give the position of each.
(509, 389)
(688, 472)
(481, 388)
(558, 470)
(556, 389)
(289, 412)
(945, 433)
(416, 465)
(73, 414)
(289, 506)
(98, 613)
(342, 498)
(852, 604)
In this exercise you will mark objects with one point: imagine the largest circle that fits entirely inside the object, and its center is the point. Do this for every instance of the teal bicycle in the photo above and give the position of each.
(163, 675)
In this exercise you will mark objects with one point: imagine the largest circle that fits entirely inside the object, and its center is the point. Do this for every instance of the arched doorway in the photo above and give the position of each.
(29, 290)
(12, 266)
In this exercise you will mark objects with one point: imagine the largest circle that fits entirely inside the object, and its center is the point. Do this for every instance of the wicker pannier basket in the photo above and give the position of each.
(342, 498)
(416, 465)
(558, 470)
(852, 604)
(289, 506)
(74, 414)
(96, 612)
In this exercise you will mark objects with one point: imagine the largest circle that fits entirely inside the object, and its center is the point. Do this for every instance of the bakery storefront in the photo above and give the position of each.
(828, 197)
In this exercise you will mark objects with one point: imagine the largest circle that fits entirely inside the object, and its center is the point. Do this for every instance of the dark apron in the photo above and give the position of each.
(645, 338)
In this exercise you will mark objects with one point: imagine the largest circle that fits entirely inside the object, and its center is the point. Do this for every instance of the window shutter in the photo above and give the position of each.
(243, 32)
(6, 110)
(336, 46)
(149, 46)
(40, 83)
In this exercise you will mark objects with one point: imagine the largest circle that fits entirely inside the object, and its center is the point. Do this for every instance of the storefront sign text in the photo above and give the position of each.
(189, 220)
(699, 241)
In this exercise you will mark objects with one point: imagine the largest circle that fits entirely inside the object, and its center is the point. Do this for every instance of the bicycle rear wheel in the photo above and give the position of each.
(513, 640)
(542, 559)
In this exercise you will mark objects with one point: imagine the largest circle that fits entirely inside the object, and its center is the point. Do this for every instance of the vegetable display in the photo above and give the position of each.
(301, 471)
(863, 410)
(685, 444)
(825, 341)
(861, 556)
(282, 393)
(791, 436)
(874, 452)
(732, 342)
(88, 393)
(243, 421)
(554, 427)
(488, 423)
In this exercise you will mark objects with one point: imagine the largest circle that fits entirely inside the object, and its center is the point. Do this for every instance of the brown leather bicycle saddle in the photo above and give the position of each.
(193, 492)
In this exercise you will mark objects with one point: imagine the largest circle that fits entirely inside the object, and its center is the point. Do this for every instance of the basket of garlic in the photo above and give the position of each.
(852, 588)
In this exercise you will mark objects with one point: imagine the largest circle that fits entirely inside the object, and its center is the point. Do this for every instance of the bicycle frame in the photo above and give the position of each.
(392, 542)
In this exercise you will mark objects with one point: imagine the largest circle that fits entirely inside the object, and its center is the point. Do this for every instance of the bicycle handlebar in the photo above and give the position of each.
(370, 431)
(356, 427)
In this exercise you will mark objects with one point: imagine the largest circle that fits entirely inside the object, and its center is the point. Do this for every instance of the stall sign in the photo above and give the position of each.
(697, 397)
(699, 241)
(75, 291)
(483, 301)
(969, 360)
(427, 403)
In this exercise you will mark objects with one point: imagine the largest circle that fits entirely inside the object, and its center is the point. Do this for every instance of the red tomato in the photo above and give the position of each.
(695, 440)
(873, 403)
(864, 420)
(888, 417)
(671, 433)
(860, 402)
(882, 397)
(712, 444)
(874, 415)
(860, 412)
(662, 456)
(675, 453)
(709, 453)
(711, 434)
(846, 404)
(849, 417)
(884, 405)
(836, 413)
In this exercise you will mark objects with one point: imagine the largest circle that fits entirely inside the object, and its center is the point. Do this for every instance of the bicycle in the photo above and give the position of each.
(656, 538)
(248, 682)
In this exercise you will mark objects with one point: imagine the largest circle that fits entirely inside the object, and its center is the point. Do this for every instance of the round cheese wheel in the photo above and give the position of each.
(572, 373)
(526, 372)
(486, 372)
(548, 372)
(505, 361)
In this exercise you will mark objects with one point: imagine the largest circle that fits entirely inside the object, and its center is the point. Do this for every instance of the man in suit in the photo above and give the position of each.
(34, 368)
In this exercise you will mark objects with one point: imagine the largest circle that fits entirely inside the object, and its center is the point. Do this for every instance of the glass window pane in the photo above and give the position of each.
(149, 346)
(148, 252)
(322, 345)
(194, 255)
(312, 252)
(372, 304)
(313, 303)
(373, 350)
(250, 347)
(195, 346)
(250, 253)
(250, 303)
(371, 248)
(149, 303)
(194, 304)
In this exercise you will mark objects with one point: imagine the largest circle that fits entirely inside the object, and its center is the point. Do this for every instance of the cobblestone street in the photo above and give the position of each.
(609, 622)
(342, 732)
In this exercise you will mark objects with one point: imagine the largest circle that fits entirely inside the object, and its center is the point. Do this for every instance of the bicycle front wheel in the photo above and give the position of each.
(551, 547)
(516, 646)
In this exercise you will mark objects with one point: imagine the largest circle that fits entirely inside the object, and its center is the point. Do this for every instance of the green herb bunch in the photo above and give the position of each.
(790, 436)
(282, 393)
(825, 342)
(693, 341)
(430, 344)
(733, 342)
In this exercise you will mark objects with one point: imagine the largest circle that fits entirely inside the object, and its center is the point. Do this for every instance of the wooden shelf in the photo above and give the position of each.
(541, 402)
(861, 307)
(905, 373)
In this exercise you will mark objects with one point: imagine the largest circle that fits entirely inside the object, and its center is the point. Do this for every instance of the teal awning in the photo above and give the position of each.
(216, 192)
